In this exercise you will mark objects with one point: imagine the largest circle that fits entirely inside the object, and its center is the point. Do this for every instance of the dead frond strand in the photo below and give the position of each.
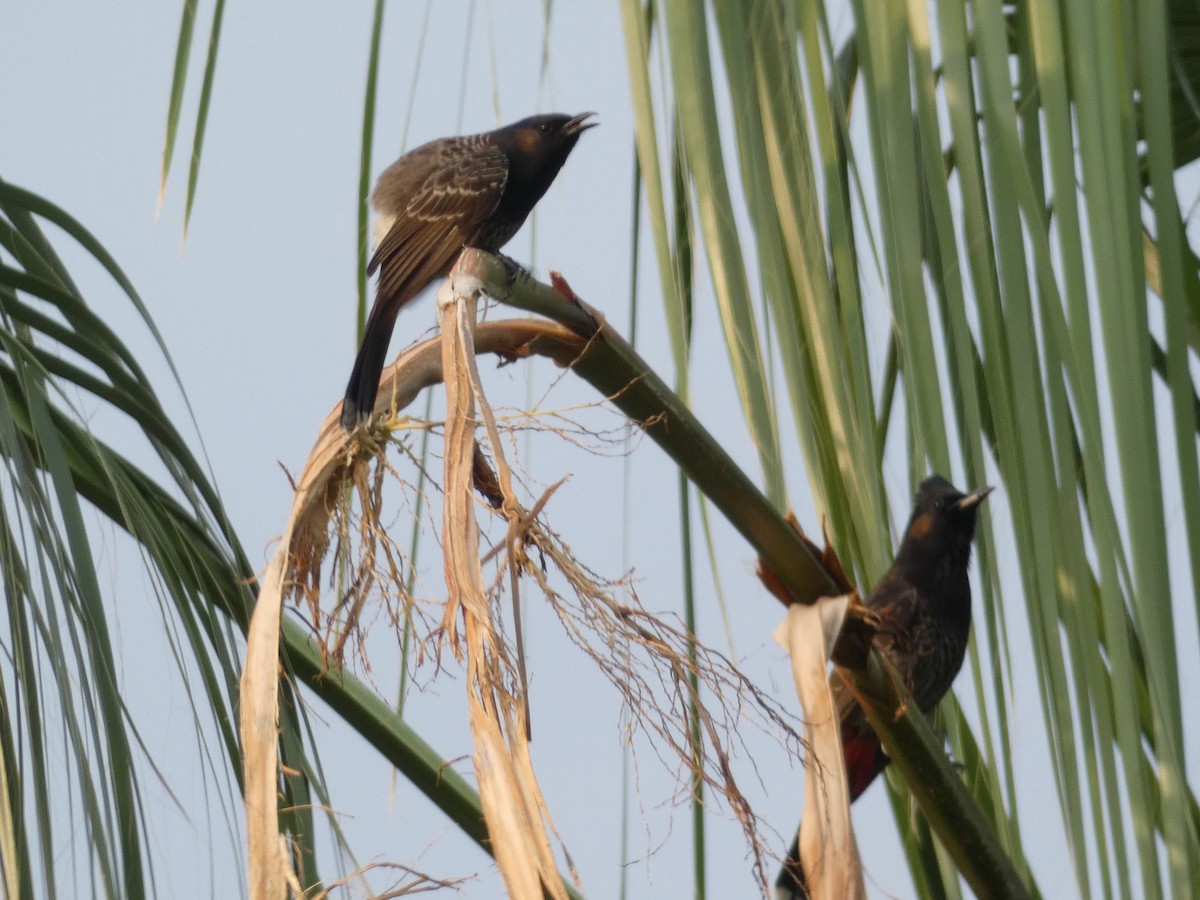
(646, 658)
(828, 851)
(508, 790)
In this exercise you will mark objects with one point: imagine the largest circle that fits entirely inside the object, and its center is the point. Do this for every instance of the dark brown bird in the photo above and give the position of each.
(455, 192)
(923, 604)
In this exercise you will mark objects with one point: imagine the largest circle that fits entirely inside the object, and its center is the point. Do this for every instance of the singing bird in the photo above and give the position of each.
(923, 606)
(470, 191)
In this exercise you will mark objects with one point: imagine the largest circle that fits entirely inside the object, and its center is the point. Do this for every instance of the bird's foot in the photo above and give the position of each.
(515, 269)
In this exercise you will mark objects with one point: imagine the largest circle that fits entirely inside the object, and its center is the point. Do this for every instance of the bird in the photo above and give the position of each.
(922, 607)
(468, 191)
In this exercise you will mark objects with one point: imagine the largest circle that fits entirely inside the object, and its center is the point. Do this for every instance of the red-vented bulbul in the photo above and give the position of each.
(923, 605)
(455, 192)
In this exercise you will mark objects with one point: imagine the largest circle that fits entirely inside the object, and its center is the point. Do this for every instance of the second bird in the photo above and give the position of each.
(923, 607)
(455, 192)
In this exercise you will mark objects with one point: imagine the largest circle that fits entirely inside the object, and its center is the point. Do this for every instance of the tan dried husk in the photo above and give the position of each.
(517, 817)
(336, 461)
(840, 628)
(828, 852)
(646, 657)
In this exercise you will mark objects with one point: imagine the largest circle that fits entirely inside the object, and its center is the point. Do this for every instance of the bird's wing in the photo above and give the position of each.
(468, 183)
(920, 649)
(457, 197)
(894, 600)
(896, 604)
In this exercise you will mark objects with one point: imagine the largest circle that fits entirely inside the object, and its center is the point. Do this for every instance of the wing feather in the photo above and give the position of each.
(463, 188)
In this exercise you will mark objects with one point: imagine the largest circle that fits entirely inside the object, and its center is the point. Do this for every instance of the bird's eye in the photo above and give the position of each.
(544, 128)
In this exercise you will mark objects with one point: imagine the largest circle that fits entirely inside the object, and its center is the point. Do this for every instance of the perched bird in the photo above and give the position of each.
(923, 608)
(455, 192)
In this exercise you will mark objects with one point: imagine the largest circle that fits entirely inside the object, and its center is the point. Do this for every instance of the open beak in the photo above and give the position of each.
(974, 498)
(579, 124)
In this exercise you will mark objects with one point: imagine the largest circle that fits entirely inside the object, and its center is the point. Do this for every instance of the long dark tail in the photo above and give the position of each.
(359, 401)
(791, 883)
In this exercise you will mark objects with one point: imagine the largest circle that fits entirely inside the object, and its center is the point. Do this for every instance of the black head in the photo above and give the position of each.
(942, 523)
(551, 129)
(538, 146)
